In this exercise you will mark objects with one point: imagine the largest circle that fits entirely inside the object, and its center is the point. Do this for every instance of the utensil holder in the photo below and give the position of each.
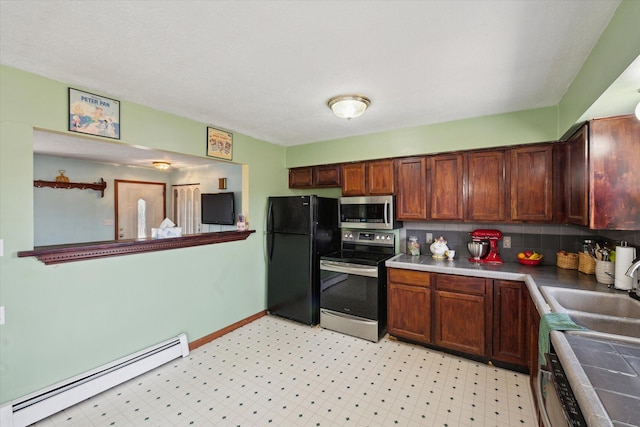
(605, 272)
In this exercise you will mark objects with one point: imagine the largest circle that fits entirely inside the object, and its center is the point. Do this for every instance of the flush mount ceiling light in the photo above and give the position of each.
(349, 106)
(161, 165)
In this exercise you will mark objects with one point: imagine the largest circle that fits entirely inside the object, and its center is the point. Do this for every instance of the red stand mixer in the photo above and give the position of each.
(492, 236)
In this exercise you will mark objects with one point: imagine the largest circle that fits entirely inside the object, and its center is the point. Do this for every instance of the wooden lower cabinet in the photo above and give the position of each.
(409, 304)
(510, 323)
(477, 316)
(462, 310)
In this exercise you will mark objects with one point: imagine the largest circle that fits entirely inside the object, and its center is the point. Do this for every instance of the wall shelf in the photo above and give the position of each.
(97, 186)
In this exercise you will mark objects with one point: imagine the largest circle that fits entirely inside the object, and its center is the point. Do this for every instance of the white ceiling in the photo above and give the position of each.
(267, 68)
(80, 148)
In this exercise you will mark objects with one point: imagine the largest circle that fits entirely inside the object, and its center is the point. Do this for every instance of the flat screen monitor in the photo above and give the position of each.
(218, 208)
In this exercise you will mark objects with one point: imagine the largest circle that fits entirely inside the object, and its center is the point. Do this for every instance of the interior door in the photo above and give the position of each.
(139, 206)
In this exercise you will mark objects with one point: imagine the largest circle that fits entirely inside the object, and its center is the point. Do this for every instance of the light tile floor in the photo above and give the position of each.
(277, 372)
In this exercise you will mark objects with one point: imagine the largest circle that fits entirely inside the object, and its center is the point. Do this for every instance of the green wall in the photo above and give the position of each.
(63, 320)
(616, 49)
(491, 131)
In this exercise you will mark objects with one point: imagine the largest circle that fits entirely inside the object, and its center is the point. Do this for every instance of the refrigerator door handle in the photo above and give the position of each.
(270, 217)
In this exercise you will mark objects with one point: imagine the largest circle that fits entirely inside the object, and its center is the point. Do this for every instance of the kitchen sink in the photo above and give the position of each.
(599, 311)
(619, 305)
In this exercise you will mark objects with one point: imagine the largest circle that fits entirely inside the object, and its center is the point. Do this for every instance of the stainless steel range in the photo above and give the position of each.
(353, 284)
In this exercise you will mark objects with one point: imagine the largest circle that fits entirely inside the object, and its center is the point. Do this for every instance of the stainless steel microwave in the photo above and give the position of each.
(370, 212)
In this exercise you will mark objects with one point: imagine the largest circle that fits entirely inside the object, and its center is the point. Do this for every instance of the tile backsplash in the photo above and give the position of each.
(544, 239)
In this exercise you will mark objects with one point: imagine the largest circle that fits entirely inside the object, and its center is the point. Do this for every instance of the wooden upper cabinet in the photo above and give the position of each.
(354, 181)
(532, 183)
(374, 178)
(486, 183)
(445, 176)
(301, 177)
(380, 177)
(411, 191)
(614, 173)
(315, 176)
(327, 176)
(577, 178)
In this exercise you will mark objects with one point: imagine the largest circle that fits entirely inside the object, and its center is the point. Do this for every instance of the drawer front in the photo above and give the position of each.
(410, 277)
(462, 284)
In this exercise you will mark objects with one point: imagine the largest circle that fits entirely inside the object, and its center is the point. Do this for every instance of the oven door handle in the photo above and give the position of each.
(355, 269)
(538, 395)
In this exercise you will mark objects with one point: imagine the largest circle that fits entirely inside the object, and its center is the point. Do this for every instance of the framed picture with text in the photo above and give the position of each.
(219, 144)
(93, 114)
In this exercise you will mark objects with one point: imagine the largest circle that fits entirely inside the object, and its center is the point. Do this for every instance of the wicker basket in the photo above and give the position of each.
(567, 260)
(586, 263)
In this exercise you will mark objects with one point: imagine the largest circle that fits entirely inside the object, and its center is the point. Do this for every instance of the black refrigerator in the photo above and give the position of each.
(299, 230)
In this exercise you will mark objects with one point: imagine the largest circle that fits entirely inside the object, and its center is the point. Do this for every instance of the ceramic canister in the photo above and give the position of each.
(605, 272)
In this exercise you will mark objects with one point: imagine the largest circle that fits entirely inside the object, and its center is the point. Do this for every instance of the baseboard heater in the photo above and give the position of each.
(41, 404)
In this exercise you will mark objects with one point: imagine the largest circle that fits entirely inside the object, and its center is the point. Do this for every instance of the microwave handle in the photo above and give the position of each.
(386, 212)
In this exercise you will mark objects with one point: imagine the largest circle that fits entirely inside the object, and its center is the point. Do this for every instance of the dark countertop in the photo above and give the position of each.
(593, 380)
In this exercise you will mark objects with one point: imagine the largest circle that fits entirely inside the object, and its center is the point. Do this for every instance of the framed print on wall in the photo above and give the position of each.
(93, 114)
(219, 144)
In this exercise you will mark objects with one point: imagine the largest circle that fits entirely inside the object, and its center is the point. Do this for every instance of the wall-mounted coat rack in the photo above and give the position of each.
(97, 186)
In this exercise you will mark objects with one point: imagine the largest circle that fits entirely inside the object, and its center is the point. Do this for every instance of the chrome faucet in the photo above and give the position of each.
(635, 265)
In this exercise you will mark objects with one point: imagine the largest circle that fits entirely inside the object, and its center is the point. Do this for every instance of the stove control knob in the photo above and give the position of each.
(377, 237)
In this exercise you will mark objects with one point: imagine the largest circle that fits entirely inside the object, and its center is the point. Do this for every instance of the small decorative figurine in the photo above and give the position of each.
(439, 248)
(61, 177)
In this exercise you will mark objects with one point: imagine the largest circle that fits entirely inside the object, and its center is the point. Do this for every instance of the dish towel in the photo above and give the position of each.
(553, 322)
